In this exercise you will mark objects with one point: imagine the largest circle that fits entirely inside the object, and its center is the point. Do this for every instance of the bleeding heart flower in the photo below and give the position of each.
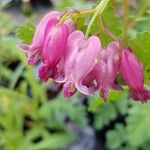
(34, 50)
(79, 61)
(133, 74)
(49, 44)
(109, 67)
(53, 49)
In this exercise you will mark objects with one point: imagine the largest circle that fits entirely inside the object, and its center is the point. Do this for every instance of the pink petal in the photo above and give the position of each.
(142, 96)
(55, 45)
(132, 71)
(71, 25)
(47, 21)
(86, 61)
(109, 64)
(34, 50)
(45, 72)
(67, 63)
(69, 89)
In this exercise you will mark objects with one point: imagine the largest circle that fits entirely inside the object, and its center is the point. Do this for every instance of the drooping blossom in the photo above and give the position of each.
(82, 64)
(133, 74)
(109, 67)
(79, 61)
(33, 51)
(53, 48)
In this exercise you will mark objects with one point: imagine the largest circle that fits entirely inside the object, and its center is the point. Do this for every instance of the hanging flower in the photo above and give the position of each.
(79, 61)
(109, 67)
(133, 74)
(53, 49)
(34, 50)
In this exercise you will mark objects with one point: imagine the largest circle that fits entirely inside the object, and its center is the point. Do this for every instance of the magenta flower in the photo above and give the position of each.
(109, 67)
(133, 74)
(34, 50)
(79, 61)
(53, 48)
(68, 61)
(86, 79)
(49, 44)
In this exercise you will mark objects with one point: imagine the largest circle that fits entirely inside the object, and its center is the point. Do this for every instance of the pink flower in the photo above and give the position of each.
(86, 79)
(133, 74)
(79, 61)
(34, 50)
(109, 67)
(49, 44)
(53, 48)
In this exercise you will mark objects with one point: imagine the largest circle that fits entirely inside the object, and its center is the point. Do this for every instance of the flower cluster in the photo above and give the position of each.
(82, 64)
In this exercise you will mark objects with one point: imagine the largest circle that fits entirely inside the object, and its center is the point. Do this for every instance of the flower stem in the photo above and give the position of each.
(87, 12)
(75, 14)
(98, 11)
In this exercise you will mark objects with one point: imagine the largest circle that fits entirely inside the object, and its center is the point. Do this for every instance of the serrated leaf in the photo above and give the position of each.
(115, 95)
(55, 112)
(113, 23)
(141, 47)
(94, 101)
(104, 114)
(26, 32)
(138, 123)
(116, 137)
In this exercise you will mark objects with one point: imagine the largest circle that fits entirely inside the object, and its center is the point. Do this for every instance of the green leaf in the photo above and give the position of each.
(141, 47)
(55, 112)
(26, 32)
(138, 123)
(112, 24)
(104, 114)
(116, 137)
(54, 141)
(115, 95)
(94, 101)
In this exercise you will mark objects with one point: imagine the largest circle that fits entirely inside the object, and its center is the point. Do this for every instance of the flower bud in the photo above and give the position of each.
(133, 74)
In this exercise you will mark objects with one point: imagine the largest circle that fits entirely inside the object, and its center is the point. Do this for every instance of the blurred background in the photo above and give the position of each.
(35, 116)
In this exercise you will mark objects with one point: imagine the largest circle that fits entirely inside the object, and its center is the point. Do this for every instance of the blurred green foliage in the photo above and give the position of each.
(25, 33)
(134, 133)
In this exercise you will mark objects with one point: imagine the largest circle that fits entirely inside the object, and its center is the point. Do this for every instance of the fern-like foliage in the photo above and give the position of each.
(104, 113)
(136, 133)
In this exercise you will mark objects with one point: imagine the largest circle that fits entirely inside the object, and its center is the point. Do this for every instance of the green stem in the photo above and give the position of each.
(87, 12)
(76, 14)
(98, 11)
